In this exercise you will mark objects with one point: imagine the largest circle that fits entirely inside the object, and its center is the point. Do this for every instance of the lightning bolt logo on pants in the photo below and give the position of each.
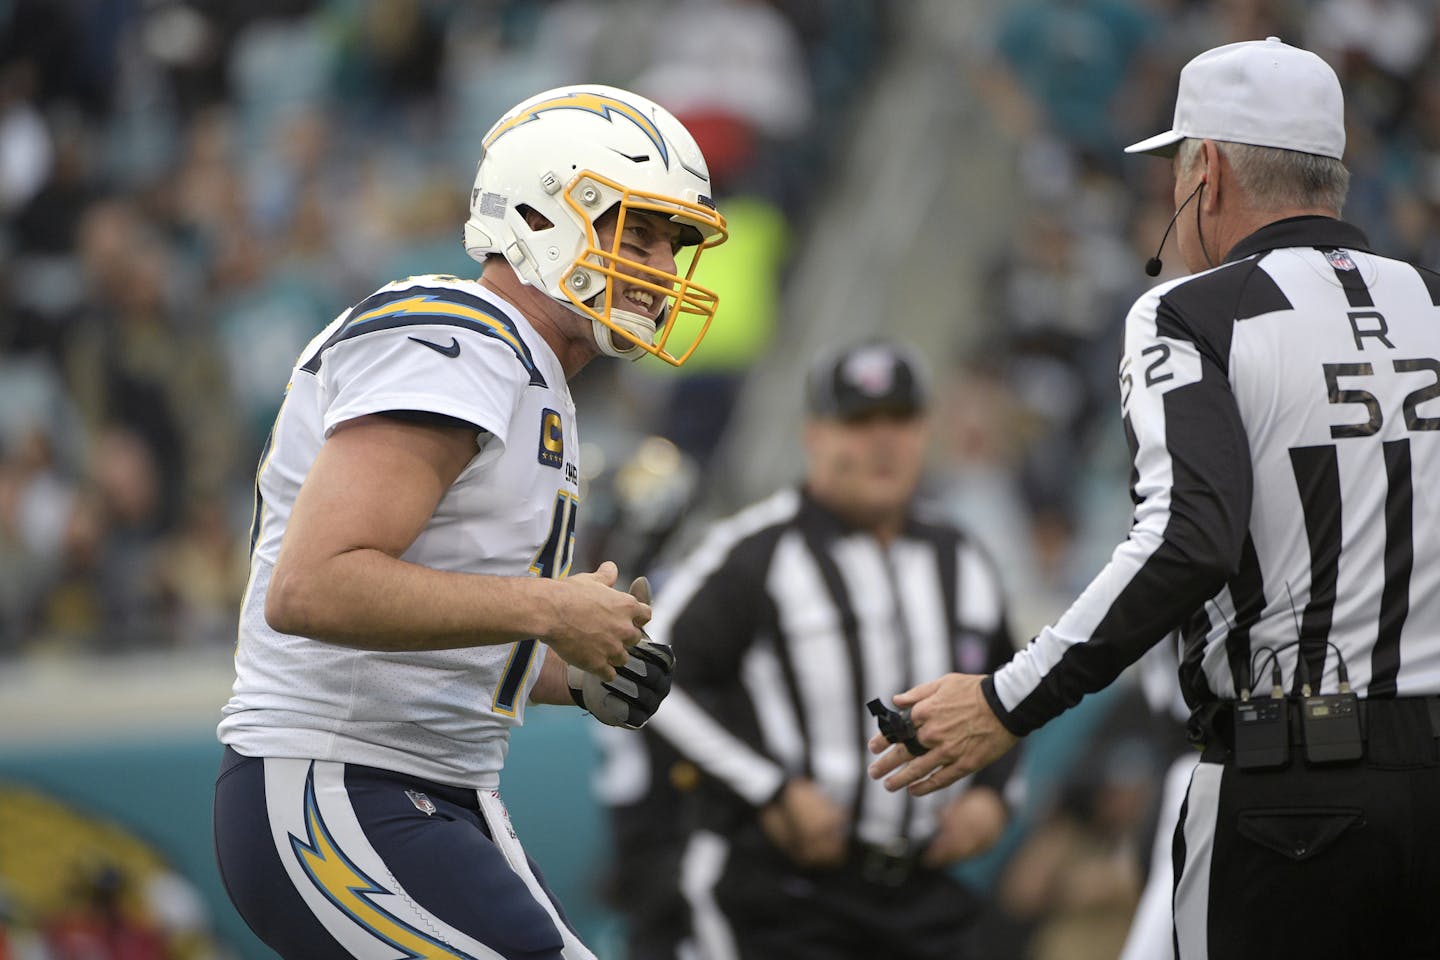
(346, 886)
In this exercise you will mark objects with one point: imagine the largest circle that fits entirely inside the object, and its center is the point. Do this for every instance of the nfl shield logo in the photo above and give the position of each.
(422, 803)
(1340, 260)
(872, 372)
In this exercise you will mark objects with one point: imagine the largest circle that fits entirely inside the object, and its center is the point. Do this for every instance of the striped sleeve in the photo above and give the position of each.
(712, 610)
(1192, 490)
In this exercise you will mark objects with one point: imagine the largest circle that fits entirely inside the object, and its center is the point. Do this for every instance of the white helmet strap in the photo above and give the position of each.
(636, 324)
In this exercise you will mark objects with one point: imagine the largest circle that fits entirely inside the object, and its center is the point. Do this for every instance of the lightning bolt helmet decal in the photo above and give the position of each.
(598, 104)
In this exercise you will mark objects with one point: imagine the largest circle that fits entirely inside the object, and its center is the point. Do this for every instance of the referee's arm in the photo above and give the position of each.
(712, 628)
(1192, 489)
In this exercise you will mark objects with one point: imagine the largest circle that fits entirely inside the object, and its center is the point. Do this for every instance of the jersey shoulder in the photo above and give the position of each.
(1204, 307)
(452, 311)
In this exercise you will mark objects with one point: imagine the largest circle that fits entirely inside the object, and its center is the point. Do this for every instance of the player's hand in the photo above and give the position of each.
(597, 624)
(641, 683)
(953, 719)
(806, 825)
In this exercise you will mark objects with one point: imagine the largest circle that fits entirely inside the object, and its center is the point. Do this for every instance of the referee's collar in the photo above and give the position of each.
(824, 519)
(1307, 231)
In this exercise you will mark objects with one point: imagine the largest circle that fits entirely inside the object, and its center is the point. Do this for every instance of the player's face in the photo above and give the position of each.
(867, 468)
(646, 238)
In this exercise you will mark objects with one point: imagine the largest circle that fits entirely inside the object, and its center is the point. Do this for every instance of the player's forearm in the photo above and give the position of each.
(369, 600)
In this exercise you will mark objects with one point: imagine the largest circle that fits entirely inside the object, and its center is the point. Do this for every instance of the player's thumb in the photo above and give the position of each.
(607, 573)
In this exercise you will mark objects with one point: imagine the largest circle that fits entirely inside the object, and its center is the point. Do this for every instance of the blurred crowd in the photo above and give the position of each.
(190, 190)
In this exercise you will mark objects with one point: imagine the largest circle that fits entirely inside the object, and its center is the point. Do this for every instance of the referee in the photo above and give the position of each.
(788, 618)
(1283, 408)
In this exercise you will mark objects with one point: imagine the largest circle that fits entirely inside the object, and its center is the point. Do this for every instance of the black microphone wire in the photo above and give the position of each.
(1154, 264)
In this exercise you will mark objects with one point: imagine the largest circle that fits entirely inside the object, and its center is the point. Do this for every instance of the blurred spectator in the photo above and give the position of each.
(736, 58)
(25, 147)
(390, 57)
(1055, 300)
(103, 924)
(130, 494)
(129, 358)
(1078, 875)
(1072, 59)
(983, 431)
(38, 507)
(201, 571)
(266, 307)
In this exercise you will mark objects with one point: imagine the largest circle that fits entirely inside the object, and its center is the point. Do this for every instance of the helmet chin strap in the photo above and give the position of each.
(636, 324)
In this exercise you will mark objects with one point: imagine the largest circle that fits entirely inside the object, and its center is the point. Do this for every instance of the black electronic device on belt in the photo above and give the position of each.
(895, 726)
(1329, 722)
(1262, 734)
(1332, 728)
(1261, 725)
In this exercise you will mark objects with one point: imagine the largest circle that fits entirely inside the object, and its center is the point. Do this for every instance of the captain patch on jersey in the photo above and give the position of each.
(552, 438)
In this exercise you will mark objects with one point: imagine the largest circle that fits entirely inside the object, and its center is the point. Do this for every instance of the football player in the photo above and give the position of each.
(410, 586)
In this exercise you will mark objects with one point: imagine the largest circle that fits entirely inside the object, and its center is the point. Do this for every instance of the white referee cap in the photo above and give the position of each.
(1262, 92)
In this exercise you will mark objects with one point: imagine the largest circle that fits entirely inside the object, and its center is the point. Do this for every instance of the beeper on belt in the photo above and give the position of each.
(1332, 728)
(1262, 735)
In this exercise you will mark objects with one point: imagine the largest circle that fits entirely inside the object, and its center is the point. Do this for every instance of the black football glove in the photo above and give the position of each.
(639, 685)
(634, 695)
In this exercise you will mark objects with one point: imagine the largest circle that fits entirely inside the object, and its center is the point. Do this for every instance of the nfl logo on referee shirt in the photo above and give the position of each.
(1340, 260)
(422, 803)
(552, 442)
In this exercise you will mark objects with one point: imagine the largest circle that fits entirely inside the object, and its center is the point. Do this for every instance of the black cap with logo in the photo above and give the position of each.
(871, 377)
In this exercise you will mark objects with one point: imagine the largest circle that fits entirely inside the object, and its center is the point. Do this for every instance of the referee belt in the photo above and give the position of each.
(1398, 730)
(886, 864)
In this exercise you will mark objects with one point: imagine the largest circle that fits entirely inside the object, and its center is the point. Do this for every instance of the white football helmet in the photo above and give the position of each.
(571, 154)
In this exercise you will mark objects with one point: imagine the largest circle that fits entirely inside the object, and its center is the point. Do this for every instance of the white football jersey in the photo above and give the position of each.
(450, 347)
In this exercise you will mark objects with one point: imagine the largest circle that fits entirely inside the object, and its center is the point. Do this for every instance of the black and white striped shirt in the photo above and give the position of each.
(1283, 412)
(786, 621)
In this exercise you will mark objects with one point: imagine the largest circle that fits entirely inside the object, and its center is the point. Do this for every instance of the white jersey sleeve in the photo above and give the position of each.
(441, 350)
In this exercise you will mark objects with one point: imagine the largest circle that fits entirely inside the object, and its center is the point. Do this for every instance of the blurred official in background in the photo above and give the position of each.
(1283, 410)
(789, 617)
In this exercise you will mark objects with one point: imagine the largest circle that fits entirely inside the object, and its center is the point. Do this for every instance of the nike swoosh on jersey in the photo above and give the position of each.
(451, 351)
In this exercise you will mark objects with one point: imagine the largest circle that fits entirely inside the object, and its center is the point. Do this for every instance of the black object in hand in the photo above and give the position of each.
(896, 727)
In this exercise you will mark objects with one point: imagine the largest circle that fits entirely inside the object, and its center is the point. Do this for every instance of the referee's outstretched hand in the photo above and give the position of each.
(952, 718)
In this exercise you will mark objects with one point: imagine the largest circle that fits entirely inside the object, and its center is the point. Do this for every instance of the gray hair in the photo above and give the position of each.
(1273, 178)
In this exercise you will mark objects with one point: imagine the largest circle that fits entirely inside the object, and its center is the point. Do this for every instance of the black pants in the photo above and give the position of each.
(326, 861)
(756, 905)
(1323, 862)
